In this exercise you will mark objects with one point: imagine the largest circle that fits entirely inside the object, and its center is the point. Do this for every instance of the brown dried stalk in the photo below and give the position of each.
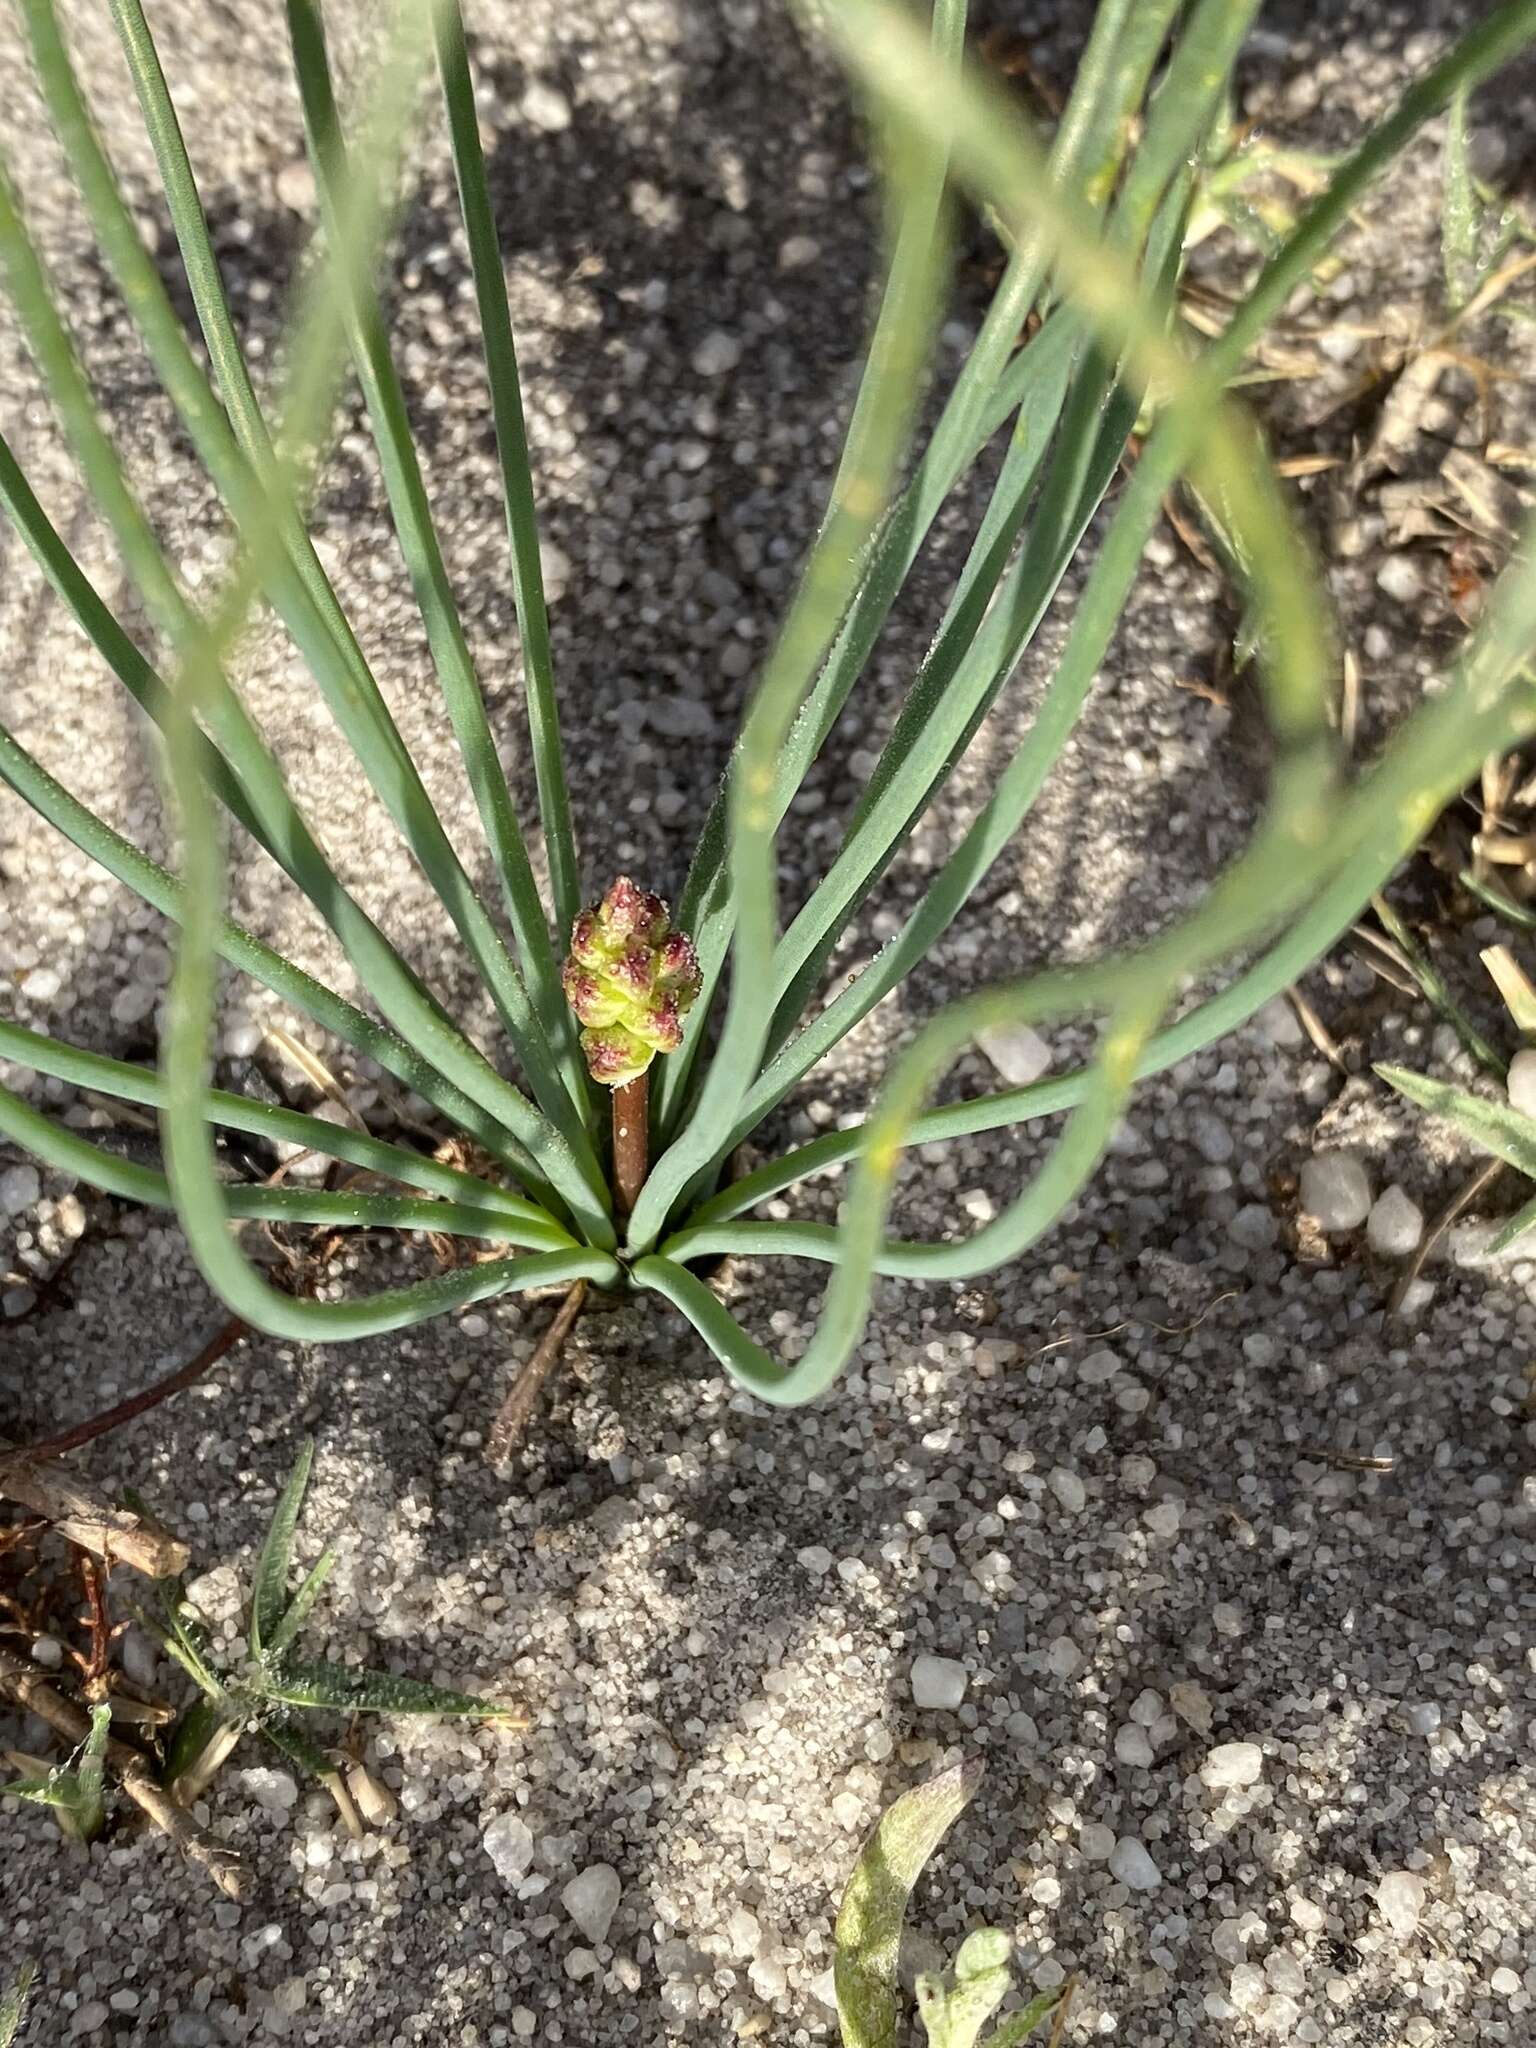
(21, 1682)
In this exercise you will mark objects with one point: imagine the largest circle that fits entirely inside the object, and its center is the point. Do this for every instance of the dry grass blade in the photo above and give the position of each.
(515, 1412)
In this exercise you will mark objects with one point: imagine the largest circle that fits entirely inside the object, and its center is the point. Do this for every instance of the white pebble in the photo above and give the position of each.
(1063, 1656)
(1133, 1746)
(1395, 1226)
(1019, 1054)
(938, 1682)
(508, 1841)
(592, 1898)
(1424, 1718)
(277, 1791)
(1096, 1841)
(1133, 1866)
(545, 106)
(1335, 1192)
(716, 354)
(815, 1559)
(1278, 1023)
(1400, 1900)
(1068, 1489)
(1521, 1081)
(1398, 576)
(1232, 1763)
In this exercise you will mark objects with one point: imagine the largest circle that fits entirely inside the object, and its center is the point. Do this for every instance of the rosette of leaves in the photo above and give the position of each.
(275, 1687)
(1095, 227)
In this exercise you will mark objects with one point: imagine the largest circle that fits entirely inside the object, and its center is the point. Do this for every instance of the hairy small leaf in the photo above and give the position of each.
(269, 1589)
(352, 1690)
(868, 1932)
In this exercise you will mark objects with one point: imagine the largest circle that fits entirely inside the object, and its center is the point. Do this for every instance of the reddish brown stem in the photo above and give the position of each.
(631, 1142)
(513, 1416)
(136, 1404)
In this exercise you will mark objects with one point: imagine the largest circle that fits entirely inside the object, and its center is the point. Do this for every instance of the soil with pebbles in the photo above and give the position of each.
(1225, 1578)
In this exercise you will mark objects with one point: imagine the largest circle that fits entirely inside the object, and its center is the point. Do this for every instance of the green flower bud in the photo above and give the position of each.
(631, 979)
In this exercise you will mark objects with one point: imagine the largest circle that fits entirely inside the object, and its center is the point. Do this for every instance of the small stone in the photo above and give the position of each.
(89, 2017)
(1424, 1718)
(1063, 1657)
(1253, 1228)
(20, 1188)
(1398, 576)
(1068, 1489)
(545, 106)
(1335, 1192)
(1096, 1841)
(1019, 1054)
(1278, 1023)
(1130, 1862)
(1504, 1982)
(592, 1898)
(1163, 1520)
(295, 185)
(768, 1977)
(276, 1791)
(717, 354)
(1133, 1746)
(1230, 1764)
(938, 1683)
(1521, 1081)
(1097, 1368)
(1247, 1986)
(581, 1963)
(47, 1651)
(1192, 1704)
(797, 251)
(1395, 1225)
(508, 1841)
(1400, 1900)
(815, 1559)
(1211, 1138)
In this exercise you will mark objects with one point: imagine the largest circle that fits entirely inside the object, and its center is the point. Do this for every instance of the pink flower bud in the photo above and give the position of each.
(631, 980)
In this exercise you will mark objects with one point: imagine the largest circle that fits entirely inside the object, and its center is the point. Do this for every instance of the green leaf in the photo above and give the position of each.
(1496, 1127)
(300, 1605)
(1460, 215)
(197, 1727)
(294, 1744)
(348, 1689)
(1514, 1229)
(868, 1932)
(953, 2014)
(13, 2004)
(1019, 2026)
(74, 1790)
(269, 1587)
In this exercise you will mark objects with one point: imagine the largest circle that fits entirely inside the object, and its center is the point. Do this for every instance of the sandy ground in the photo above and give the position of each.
(1115, 1483)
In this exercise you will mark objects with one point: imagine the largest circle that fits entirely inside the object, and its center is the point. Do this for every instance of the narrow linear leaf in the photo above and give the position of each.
(269, 1588)
(197, 1728)
(302, 1602)
(868, 1932)
(349, 1690)
(1496, 1127)
(1020, 2025)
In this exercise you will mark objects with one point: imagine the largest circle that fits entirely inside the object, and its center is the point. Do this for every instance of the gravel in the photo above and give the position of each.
(1335, 1192)
(1301, 1524)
